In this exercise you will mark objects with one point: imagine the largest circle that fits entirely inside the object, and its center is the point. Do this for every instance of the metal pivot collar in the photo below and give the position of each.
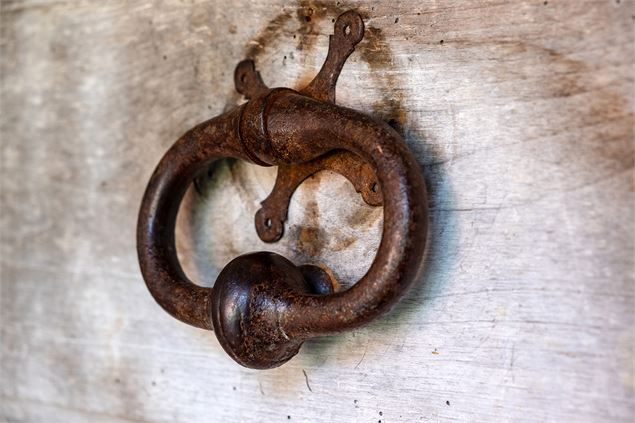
(262, 307)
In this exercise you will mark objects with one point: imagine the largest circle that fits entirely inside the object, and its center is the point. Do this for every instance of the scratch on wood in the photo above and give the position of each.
(362, 359)
(306, 378)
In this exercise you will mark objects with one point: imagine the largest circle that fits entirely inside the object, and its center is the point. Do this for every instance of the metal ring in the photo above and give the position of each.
(262, 307)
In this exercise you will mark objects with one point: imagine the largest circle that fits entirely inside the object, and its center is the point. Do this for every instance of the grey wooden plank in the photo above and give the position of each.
(521, 119)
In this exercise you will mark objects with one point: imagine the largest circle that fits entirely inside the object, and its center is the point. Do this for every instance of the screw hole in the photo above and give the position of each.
(243, 78)
(373, 187)
(268, 223)
(347, 30)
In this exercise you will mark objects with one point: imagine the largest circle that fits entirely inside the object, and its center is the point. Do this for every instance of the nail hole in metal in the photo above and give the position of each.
(347, 29)
(268, 222)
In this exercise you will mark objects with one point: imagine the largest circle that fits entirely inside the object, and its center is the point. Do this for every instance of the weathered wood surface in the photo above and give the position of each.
(520, 113)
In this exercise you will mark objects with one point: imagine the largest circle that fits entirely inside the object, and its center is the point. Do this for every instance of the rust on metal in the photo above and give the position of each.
(263, 307)
(271, 217)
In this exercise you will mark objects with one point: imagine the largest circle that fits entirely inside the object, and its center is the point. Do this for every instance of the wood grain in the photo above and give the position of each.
(521, 114)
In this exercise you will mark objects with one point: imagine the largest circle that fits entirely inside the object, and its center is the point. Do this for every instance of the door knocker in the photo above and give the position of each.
(262, 307)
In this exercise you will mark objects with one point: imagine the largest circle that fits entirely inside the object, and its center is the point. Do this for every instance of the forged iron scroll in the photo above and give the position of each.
(262, 307)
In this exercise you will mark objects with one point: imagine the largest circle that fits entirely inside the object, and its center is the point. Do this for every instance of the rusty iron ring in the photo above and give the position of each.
(262, 307)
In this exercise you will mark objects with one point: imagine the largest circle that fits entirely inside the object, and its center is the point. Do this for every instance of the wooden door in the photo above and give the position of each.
(520, 114)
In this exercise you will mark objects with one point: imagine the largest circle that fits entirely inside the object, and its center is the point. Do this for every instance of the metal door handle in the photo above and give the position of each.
(262, 307)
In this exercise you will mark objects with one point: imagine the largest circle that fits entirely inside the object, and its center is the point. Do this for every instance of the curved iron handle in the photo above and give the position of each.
(262, 307)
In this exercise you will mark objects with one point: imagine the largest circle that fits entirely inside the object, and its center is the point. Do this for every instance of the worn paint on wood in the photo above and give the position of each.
(520, 113)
